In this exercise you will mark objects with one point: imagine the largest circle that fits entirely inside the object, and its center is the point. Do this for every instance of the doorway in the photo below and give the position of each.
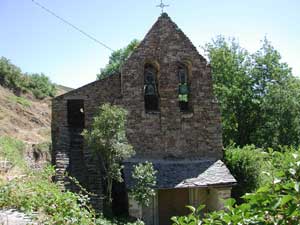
(75, 113)
(77, 167)
(172, 202)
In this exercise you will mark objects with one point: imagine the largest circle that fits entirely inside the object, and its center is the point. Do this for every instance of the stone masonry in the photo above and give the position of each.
(171, 133)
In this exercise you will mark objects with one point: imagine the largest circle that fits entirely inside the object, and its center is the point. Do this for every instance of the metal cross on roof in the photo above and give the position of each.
(162, 6)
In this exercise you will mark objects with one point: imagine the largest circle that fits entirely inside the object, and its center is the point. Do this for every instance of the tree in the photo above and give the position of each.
(145, 181)
(107, 139)
(277, 90)
(233, 88)
(116, 59)
(280, 115)
(257, 94)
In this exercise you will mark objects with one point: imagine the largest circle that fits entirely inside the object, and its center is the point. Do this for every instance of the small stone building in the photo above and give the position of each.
(173, 121)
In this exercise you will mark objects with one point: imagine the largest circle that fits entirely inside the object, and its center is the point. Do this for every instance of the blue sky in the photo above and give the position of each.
(38, 42)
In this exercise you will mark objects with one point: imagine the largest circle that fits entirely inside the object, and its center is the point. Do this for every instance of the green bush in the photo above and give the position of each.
(12, 77)
(145, 181)
(40, 85)
(12, 150)
(246, 165)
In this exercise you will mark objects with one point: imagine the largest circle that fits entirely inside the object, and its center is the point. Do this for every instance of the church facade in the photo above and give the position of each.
(173, 121)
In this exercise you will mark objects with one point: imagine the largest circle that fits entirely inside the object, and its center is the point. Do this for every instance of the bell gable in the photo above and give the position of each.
(173, 107)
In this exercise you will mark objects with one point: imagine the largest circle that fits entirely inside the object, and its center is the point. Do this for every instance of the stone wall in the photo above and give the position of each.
(199, 196)
(88, 172)
(216, 197)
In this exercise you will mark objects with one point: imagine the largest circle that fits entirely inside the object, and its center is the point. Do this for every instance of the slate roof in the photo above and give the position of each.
(184, 173)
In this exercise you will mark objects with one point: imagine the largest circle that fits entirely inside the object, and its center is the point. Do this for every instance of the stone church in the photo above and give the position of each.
(173, 121)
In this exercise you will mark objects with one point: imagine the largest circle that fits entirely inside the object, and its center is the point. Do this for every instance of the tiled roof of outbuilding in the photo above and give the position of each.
(184, 173)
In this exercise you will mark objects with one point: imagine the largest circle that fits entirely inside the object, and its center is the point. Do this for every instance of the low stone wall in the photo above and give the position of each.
(14, 217)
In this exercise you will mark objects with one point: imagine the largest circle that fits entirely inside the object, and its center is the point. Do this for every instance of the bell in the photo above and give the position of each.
(183, 98)
(183, 89)
(149, 89)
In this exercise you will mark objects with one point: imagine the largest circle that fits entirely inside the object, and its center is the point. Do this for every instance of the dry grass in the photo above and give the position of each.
(24, 118)
(15, 172)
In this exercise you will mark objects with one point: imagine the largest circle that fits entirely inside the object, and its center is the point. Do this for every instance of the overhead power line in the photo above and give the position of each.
(71, 25)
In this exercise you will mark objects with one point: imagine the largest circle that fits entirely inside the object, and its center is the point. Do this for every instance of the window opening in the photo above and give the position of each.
(183, 88)
(150, 89)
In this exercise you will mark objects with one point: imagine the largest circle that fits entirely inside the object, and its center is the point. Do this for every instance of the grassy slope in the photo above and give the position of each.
(25, 118)
(24, 130)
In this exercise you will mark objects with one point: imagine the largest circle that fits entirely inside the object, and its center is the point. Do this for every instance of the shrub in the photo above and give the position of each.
(40, 85)
(246, 165)
(12, 77)
(145, 181)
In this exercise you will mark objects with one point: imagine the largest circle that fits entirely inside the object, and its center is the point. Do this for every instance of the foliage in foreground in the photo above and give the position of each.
(12, 77)
(107, 139)
(36, 195)
(277, 202)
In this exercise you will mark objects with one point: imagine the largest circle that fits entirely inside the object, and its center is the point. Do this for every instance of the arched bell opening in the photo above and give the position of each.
(151, 96)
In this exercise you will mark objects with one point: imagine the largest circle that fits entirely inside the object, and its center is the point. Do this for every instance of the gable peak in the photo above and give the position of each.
(161, 34)
(164, 15)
